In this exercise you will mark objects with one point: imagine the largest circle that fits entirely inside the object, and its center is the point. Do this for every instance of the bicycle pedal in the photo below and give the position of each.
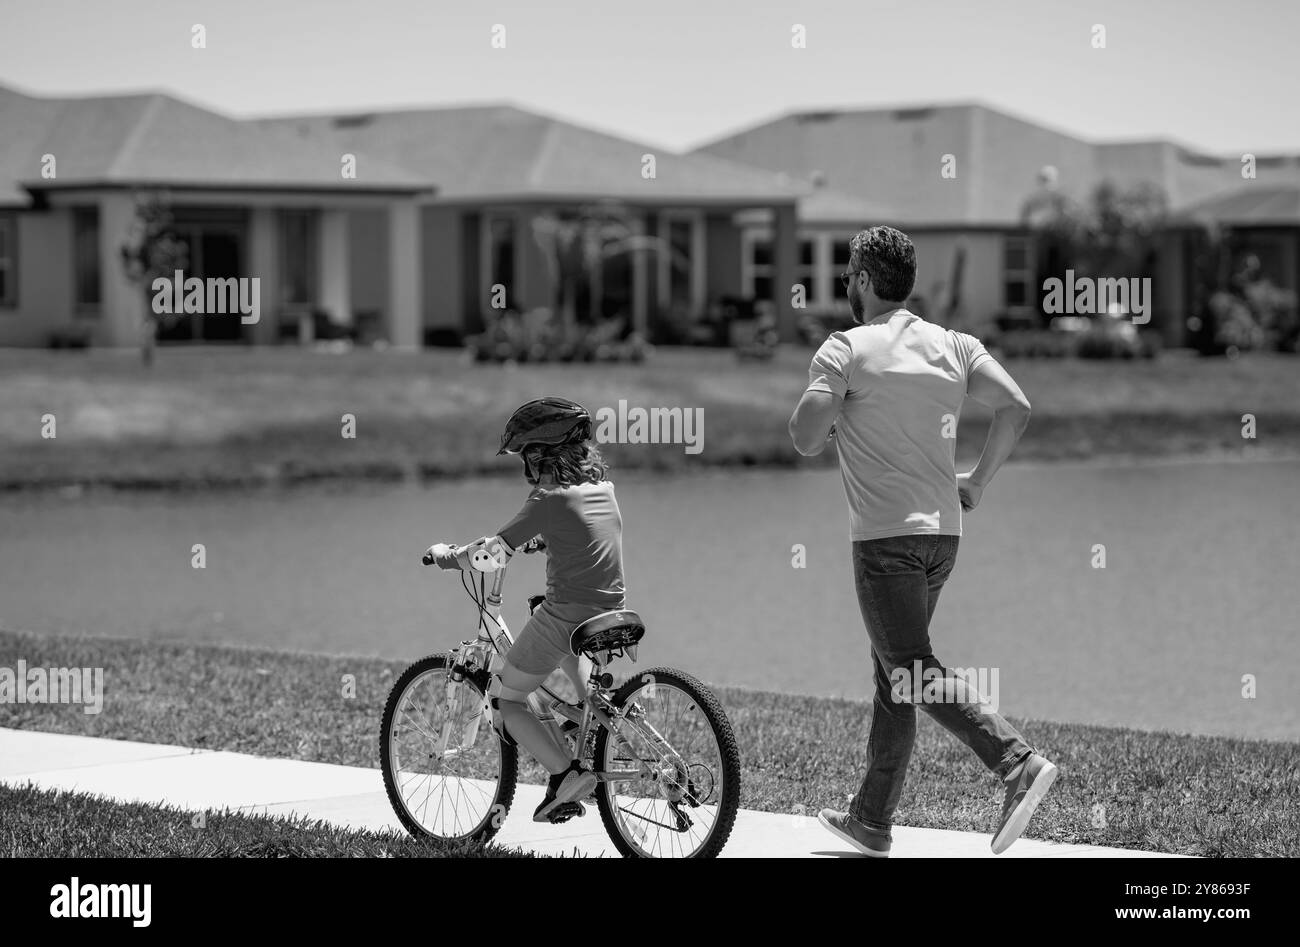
(566, 811)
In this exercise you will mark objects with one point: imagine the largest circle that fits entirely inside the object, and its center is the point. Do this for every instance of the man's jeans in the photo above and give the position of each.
(899, 579)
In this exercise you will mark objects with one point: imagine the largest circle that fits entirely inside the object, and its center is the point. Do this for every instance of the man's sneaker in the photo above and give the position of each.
(569, 786)
(869, 841)
(1026, 786)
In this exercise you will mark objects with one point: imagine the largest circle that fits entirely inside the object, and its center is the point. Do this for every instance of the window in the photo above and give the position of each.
(1017, 274)
(759, 267)
(85, 258)
(680, 253)
(841, 256)
(806, 272)
(8, 260)
(499, 260)
(298, 257)
(680, 260)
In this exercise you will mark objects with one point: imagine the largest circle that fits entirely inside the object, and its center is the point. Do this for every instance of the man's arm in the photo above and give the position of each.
(813, 418)
(991, 386)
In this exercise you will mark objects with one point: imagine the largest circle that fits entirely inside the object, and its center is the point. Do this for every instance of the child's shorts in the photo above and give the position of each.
(544, 642)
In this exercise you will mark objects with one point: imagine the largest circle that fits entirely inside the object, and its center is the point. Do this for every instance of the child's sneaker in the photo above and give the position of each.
(572, 784)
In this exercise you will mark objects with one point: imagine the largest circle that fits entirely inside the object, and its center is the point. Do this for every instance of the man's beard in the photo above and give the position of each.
(857, 307)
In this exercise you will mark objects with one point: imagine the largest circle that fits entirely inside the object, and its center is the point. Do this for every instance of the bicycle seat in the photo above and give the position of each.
(609, 632)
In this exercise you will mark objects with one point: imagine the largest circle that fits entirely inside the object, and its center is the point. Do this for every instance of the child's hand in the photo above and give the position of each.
(442, 555)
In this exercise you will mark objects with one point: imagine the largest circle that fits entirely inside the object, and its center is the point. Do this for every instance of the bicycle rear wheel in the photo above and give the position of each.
(676, 786)
(463, 792)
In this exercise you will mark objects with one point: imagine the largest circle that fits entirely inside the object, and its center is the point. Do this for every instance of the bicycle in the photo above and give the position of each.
(660, 744)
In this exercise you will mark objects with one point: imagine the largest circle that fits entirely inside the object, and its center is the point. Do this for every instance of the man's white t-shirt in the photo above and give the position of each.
(903, 381)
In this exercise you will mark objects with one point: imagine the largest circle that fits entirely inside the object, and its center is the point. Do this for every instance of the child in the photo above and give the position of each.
(573, 510)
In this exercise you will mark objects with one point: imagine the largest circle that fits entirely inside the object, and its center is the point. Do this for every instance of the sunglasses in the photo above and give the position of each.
(847, 277)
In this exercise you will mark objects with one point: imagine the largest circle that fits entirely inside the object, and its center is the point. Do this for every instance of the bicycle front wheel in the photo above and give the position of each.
(674, 769)
(447, 776)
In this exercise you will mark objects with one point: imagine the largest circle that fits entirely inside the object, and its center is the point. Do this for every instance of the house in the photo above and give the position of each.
(414, 226)
(1263, 221)
(507, 178)
(440, 222)
(246, 200)
(956, 177)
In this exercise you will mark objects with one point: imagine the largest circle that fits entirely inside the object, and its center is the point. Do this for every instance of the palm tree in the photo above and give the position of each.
(576, 246)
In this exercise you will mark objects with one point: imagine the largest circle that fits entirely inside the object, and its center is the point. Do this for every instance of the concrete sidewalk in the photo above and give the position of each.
(354, 797)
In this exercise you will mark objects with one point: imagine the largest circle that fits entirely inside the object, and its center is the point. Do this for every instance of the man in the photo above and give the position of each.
(889, 391)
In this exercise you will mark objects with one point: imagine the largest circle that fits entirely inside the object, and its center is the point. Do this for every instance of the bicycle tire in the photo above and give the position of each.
(508, 772)
(728, 749)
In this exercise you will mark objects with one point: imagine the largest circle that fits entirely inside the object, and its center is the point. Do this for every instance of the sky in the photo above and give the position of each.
(1216, 76)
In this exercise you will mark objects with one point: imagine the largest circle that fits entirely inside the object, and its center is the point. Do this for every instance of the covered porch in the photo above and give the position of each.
(312, 267)
(655, 269)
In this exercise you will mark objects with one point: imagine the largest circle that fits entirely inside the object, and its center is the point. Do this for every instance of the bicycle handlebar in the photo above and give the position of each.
(483, 558)
(479, 561)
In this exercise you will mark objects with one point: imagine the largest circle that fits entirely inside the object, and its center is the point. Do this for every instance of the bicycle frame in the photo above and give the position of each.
(484, 651)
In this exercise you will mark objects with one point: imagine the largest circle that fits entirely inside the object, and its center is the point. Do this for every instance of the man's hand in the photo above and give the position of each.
(536, 544)
(969, 490)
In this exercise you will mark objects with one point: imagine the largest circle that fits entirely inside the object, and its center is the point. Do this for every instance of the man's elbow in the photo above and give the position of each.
(809, 450)
(803, 444)
(1018, 411)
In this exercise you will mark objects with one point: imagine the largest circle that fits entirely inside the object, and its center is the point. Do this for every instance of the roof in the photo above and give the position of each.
(156, 139)
(825, 205)
(1250, 206)
(893, 156)
(502, 152)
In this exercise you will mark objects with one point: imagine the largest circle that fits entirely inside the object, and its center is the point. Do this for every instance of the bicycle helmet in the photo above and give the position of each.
(550, 421)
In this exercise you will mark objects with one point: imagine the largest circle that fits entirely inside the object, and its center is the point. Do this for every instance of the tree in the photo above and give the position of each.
(576, 247)
(151, 250)
(1236, 306)
(1113, 234)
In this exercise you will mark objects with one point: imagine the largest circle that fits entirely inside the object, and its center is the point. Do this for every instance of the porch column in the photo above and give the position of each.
(405, 305)
(335, 278)
(264, 266)
(640, 284)
(122, 302)
(784, 262)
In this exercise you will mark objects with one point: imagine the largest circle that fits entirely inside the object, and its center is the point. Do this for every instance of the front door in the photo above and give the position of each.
(215, 239)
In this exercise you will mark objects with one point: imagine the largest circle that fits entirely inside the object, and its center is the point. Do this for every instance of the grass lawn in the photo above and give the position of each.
(39, 823)
(1192, 795)
(231, 417)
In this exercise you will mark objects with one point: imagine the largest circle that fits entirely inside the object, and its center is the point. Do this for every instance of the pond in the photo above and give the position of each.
(1199, 589)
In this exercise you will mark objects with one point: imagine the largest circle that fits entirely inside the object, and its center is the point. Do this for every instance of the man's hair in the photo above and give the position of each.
(567, 464)
(889, 259)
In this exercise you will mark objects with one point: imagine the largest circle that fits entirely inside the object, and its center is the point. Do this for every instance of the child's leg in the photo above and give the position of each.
(522, 725)
(578, 670)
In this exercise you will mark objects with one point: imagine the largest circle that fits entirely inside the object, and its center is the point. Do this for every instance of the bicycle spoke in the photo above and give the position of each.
(448, 794)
